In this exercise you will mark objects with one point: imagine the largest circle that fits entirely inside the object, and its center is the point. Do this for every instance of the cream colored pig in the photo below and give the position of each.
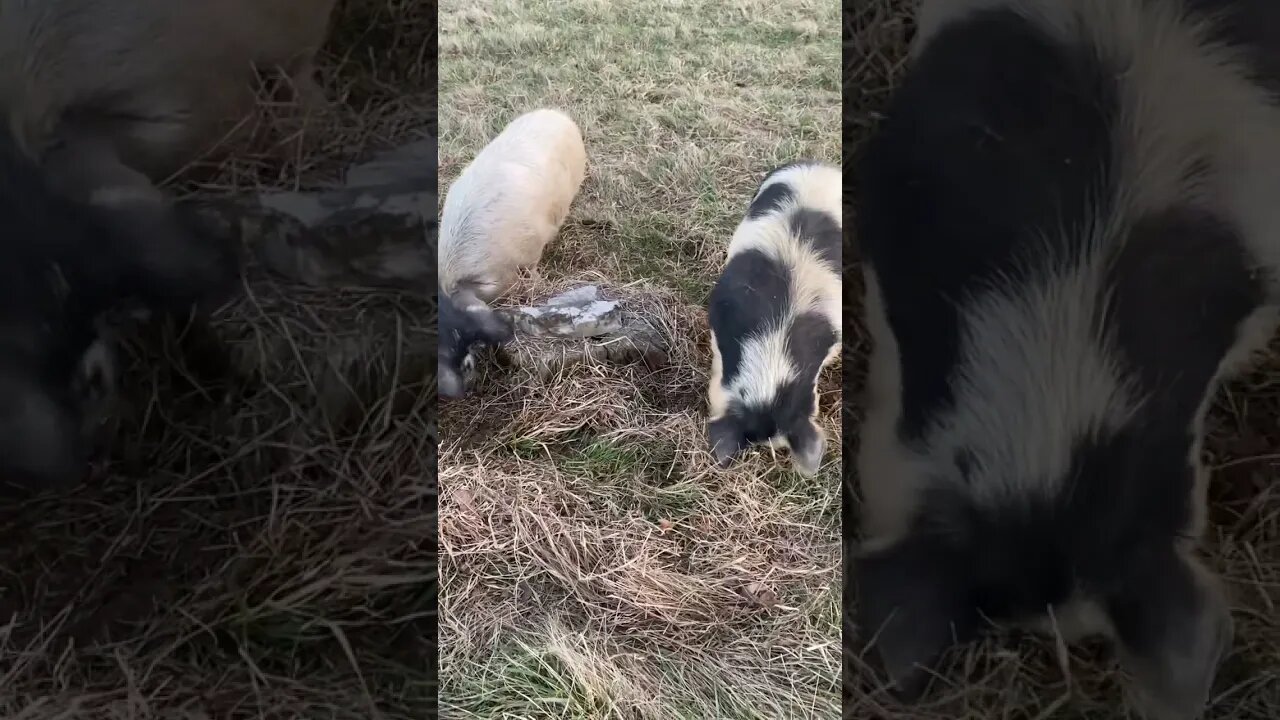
(159, 81)
(498, 217)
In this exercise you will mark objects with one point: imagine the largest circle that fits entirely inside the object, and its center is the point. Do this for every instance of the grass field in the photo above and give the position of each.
(1011, 677)
(242, 555)
(593, 562)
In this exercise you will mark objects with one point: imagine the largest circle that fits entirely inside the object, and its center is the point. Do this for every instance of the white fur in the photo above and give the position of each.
(163, 80)
(95, 384)
(1036, 344)
(890, 474)
(506, 205)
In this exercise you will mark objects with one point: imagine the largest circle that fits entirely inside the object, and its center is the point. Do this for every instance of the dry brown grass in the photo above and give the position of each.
(594, 564)
(1023, 677)
(261, 543)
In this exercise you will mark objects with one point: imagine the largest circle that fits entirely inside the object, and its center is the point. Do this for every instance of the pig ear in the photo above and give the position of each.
(1174, 627)
(807, 445)
(449, 382)
(491, 327)
(912, 604)
(40, 445)
(726, 439)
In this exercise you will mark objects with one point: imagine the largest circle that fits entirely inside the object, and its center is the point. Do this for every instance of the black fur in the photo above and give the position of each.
(1127, 501)
(62, 265)
(460, 330)
(810, 338)
(1126, 493)
(821, 231)
(1251, 27)
(752, 293)
(1163, 613)
(1182, 284)
(774, 197)
(921, 607)
(770, 200)
(998, 133)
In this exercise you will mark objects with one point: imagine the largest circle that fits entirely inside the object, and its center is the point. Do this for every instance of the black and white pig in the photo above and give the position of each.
(1070, 230)
(775, 317)
(497, 218)
(64, 264)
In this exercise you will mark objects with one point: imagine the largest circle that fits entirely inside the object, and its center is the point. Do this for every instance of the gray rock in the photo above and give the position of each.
(582, 326)
(377, 227)
(578, 313)
(576, 296)
(411, 161)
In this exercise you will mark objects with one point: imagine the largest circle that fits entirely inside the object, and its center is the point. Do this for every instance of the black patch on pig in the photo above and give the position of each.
(998, 140)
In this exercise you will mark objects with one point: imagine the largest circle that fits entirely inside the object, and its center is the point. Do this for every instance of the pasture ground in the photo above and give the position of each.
(1008, 677)
(243, 554)
(593, 562)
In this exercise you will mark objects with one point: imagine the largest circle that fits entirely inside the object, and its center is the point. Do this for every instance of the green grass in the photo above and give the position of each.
(684, 106)
(527, 682)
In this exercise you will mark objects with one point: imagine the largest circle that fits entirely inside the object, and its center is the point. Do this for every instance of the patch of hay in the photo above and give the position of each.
(647, 330)
(591, 396)
(262, 542)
